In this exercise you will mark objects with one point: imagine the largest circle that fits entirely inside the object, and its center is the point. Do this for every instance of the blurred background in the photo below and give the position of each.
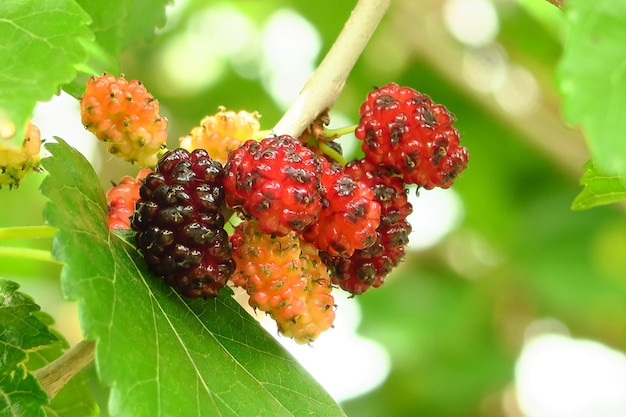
(509, 304)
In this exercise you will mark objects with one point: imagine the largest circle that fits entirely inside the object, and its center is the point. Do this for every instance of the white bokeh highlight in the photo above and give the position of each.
(519, 94)
(60, 116)
(559, 376)
(343, 362)
(290, 47)
(472, 22)
(435, 213)
(485, 69)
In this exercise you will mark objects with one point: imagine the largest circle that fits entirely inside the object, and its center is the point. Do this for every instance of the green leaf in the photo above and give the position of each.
(21, 331)
(100, 61)
(599, 188)
(163, 355)
(42, 42)
(592, 79)
(121, 23)
(28, 343)
(117, 25)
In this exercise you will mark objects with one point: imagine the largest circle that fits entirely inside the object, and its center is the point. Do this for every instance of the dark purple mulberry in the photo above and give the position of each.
(180, 225)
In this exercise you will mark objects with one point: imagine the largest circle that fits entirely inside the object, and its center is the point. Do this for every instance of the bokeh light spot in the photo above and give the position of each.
(435, 213)
(472, 22)
(290, 46)
(558, 376)
(343, 362)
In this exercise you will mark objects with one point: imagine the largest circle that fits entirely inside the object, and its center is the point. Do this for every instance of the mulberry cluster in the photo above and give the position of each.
(308, 220)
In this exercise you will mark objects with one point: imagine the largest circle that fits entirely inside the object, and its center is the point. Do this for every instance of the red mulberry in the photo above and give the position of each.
(275, 181)
(405, 131)
(368, 267)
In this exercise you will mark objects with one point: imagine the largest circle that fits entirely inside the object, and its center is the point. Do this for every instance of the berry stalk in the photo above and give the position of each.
(340, 131)
(336, 156)
(324, 85)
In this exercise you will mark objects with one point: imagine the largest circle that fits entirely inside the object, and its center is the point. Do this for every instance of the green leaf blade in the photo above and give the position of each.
(162, 354)
(117, 25)
(46, 42)
(599, 189)
(592, 79)
(121, 23)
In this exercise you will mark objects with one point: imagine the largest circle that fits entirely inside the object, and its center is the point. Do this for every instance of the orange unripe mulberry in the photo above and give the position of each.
(319, 313)
(222, 133)
(125, 116)
(121, 199)
(268, 267)
(284, 277)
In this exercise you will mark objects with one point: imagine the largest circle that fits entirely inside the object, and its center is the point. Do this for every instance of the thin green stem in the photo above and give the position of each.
(27, 253)
(332, 153)
(262, 134)
(340, 131)
(27, 232)
(162, 151)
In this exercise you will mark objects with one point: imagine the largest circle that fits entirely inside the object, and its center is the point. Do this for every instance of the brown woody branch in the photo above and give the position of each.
(57, 373)
(557, 3)
(323, 87)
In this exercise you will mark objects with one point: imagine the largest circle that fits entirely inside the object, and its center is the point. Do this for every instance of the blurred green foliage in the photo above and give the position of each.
(453, 316)
(28, 343)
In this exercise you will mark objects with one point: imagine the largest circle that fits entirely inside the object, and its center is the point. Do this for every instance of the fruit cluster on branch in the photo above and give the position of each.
(302, 220)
